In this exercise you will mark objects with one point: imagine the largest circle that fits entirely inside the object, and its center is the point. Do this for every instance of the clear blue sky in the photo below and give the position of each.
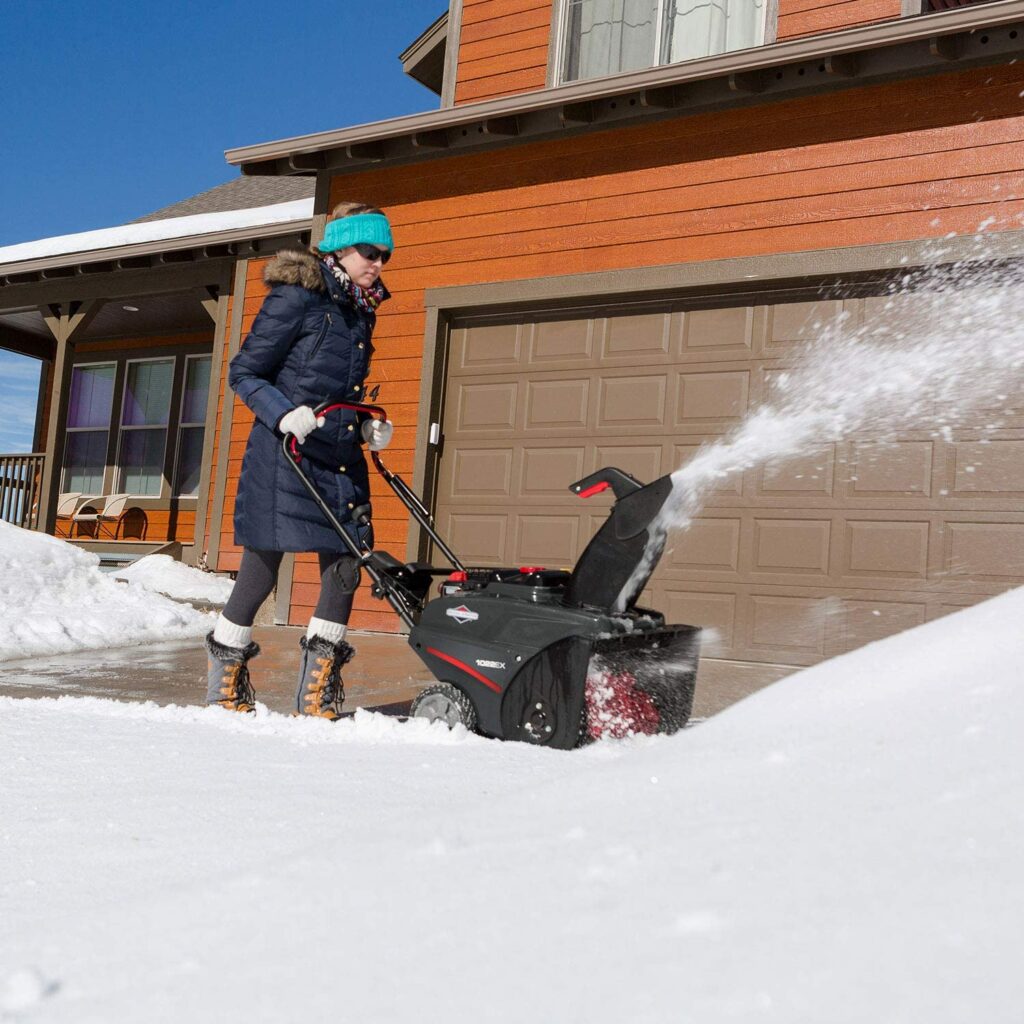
(112, 109)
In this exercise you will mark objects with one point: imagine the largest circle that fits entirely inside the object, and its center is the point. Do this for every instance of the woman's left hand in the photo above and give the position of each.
(377, 434)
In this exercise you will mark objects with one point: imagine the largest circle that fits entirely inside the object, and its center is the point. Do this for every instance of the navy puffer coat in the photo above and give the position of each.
(307, 344)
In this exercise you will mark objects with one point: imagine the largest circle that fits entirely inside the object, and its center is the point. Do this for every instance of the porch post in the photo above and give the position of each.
(63, 321)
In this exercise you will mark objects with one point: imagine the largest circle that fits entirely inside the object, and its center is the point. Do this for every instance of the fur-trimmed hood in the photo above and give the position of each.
(295, 266)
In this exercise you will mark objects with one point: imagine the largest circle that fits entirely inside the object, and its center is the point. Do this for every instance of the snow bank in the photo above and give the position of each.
(54, 599)
(843, 846)
(161, 574)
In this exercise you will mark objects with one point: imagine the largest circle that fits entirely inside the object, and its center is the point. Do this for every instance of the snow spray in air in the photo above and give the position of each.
(947, 342)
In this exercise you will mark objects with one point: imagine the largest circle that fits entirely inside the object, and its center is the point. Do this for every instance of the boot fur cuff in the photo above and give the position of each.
(339, 653)
(224, 653)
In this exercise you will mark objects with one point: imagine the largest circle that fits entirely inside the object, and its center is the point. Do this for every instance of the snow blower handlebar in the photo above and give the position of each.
(380, 566)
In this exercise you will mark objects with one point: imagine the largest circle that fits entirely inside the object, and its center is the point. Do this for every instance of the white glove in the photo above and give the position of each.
(376, 434)
(301, 422)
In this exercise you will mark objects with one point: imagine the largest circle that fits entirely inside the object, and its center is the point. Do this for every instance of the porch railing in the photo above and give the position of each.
(20, 479)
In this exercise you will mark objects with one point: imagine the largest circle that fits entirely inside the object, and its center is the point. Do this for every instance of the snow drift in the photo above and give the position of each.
(161, 574)
(54, 599)
(843, 846)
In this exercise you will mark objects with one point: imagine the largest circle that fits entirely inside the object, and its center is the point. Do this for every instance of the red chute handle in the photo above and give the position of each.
(376, 411)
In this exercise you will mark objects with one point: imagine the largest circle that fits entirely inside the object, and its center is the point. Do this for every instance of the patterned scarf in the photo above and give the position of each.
(366, 299)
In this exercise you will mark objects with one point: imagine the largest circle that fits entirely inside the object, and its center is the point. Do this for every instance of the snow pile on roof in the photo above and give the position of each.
(161, 574)
(844, 846)
(158, 230)
(54, 599)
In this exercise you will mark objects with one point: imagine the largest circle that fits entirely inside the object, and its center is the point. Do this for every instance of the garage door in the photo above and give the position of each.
(789, 563)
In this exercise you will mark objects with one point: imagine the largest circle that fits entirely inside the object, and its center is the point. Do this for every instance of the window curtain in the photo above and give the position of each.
(699, 28)
(608, 36)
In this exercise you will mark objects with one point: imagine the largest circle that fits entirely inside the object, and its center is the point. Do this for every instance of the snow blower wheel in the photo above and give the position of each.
(444, 703)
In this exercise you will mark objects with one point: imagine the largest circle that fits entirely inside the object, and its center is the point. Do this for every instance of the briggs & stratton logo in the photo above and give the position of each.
(462, 614)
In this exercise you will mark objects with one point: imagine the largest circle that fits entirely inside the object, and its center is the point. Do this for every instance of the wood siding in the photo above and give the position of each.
(812, 17)
(222, 385)
(503, 48)
(896, 162)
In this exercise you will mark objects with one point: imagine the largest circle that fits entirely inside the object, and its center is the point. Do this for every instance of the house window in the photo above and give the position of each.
(604, 37)
(88, 430)
(145, 411)
(192, 428)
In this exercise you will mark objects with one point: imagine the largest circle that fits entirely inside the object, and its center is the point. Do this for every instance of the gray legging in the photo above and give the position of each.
(257, 577)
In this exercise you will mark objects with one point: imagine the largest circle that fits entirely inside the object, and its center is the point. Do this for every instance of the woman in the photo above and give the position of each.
(309, 342)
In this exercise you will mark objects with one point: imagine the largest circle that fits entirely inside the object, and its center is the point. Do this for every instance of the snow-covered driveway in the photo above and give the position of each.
(843, 846)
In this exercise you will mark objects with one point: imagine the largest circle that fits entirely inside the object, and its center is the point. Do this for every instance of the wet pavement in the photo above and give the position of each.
(384, 671)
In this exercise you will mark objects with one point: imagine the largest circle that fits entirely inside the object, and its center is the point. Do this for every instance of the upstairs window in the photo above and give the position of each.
(604, 37)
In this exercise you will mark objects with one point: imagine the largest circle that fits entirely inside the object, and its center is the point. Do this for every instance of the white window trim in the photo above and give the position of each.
(769, 33)
(190, 424)
(121, 428)
(84, 430)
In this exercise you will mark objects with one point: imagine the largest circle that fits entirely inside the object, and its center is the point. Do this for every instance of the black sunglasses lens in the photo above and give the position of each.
(372, 253)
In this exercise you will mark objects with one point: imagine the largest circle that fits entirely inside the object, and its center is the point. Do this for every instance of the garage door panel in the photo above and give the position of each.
(789, 629)
(546, 539)
(481, 472)
(712, 399)
(632, 401)
(562, 341)
(549, 471)
(985, 550)
(990, 468)
(811, 476)
(478, 538)
(894, 550)
(792, 546)
(492, 349)
(646, 462)
(714, 612)
(718, 334)
(708, 545)
(631, 336)
(898, 469)
(797, 323)
(865, 621)
(485, 406)
(560, 404)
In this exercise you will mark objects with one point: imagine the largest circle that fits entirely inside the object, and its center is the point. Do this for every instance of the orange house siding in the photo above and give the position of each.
(503, 48)
(910, 160)
(810, 17)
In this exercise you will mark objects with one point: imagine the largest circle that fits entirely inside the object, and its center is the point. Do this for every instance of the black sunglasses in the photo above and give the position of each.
(372, 253)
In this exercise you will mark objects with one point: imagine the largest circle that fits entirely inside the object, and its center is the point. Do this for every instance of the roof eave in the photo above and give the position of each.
(423, 59)
(210, 245)
(935, 42)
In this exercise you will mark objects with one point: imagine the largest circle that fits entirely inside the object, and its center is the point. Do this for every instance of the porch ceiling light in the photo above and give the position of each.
(130, 309)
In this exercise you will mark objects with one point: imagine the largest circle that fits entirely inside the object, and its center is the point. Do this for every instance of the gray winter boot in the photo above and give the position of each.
(227, 675)
(320, 691)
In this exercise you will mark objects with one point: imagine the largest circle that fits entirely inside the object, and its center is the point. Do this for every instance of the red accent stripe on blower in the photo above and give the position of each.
(465, 668)
(595, 489)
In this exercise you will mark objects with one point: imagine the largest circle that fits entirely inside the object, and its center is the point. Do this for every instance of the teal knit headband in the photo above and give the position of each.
(371, 228)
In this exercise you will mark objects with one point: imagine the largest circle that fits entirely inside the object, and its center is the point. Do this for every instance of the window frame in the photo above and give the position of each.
(104, 476)
(118, 482)
(560, 33)
(191, 425)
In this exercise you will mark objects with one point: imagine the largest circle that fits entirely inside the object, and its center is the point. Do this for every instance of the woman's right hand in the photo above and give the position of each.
(301, 422)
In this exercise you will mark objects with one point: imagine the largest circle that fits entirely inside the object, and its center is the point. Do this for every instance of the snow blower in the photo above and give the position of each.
(547, 656)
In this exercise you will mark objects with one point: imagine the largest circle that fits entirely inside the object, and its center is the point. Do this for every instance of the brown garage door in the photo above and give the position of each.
(788, 563)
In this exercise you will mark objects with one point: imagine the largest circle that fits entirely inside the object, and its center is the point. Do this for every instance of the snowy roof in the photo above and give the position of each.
(241, 193)
(158, 230)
